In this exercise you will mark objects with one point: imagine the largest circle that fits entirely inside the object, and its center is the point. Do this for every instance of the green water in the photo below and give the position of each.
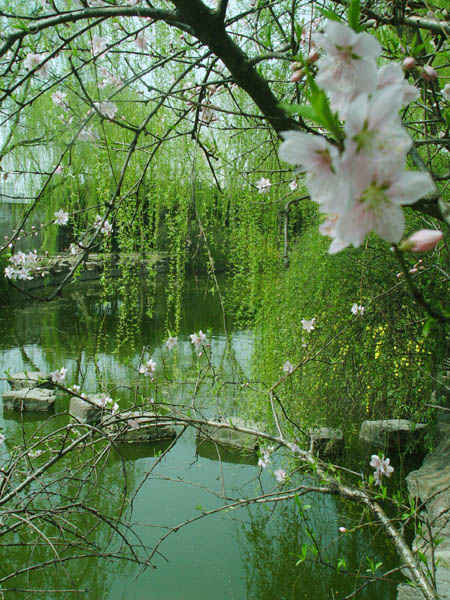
(247, 553)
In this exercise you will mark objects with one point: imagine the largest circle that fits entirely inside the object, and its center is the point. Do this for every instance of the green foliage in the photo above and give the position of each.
(379, 365)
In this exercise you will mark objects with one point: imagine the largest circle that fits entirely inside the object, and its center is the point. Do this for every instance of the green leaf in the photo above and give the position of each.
(353, 14)
(330, 14)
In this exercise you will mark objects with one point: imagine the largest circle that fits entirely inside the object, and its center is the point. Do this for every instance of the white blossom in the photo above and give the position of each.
(376, 200)
(320, 159)
(198, 338)
(381, 466)
(280, 475)
(61, 217)
(148, 368)
(263, 185)
(288, 367)
(59, 375)
(264, 459)
(446, 92)
(308, 324)
(22, 265)
(107, 109)
(87, 134)
(357, 309)
(171, 342)
(104, 225)
(349, 67)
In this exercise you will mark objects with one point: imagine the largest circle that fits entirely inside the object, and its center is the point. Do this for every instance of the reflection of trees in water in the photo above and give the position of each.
(272, 543)
(69, 529)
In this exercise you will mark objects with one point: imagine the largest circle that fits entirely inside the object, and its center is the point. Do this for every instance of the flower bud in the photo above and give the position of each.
(429, 74)
(422, 240)
(313, 56)
(297, 75)
(409, 63)
(295, 66)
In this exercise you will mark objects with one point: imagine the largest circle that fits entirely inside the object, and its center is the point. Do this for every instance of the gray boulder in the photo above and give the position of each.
(431, 485)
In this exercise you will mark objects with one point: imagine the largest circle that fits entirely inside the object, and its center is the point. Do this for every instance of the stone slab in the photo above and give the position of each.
(84, 411)
(29, 379)
(136, 427)
(390, 432)
(29, 399)
(230, 437)
(326, 441)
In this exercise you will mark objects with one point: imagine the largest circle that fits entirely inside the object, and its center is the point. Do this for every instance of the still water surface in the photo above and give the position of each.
(250, 553)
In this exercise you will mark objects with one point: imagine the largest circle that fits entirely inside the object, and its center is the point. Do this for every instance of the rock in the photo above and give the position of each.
(326, 441)
(391, 433)
(229, 437)
(224, 453)
(29, 399)
(22, 380)
(431, 485)
(84, 411)
(136, 427)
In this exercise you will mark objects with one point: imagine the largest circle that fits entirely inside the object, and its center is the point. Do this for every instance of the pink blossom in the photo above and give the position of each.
(33, 60)
(349, 67)
(140, 41)
(280, 475)
(392, 75)
(381, 466)
(321, 161)
(375, 203)
(59, 98)
(98, 45)
(422, 240)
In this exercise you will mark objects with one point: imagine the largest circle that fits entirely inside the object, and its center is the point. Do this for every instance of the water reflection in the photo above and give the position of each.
(118, 501)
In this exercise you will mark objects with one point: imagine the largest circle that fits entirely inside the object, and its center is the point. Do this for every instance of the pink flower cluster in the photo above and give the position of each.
(360, 186)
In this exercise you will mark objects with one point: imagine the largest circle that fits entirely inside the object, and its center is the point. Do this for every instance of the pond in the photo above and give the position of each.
(110, 509)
